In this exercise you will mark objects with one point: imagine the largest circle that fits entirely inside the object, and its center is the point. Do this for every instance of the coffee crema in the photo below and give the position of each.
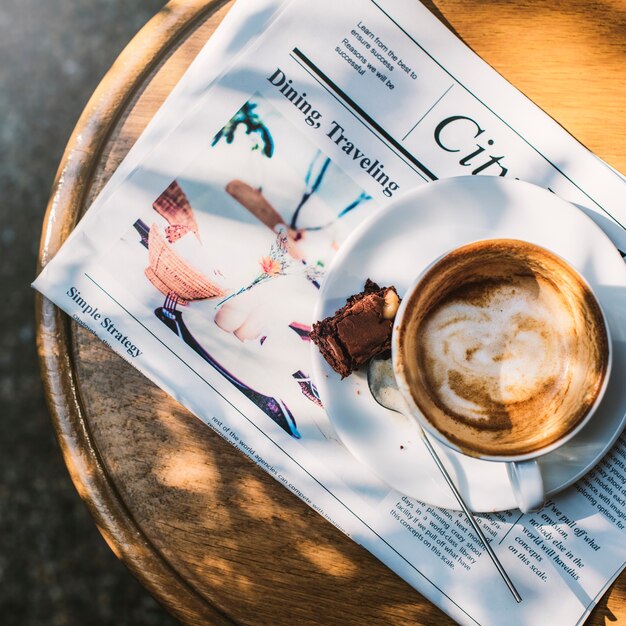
(503, 347)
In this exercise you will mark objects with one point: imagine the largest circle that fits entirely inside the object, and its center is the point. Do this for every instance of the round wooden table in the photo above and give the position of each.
(211, 536)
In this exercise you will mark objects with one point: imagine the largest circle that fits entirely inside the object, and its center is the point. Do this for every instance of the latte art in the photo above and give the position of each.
(504, 347)
(481, 357)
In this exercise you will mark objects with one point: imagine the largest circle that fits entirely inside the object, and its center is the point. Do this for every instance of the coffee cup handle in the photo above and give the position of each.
(527, 484)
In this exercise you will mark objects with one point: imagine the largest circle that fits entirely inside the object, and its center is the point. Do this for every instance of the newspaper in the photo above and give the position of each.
(165, 269)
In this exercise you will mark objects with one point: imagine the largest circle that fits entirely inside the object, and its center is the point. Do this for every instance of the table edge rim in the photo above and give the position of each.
(123, 80)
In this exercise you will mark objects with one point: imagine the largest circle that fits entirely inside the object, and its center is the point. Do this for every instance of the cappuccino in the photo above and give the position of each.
(503, 348)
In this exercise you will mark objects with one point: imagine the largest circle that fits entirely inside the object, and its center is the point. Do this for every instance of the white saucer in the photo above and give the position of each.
(392, 248)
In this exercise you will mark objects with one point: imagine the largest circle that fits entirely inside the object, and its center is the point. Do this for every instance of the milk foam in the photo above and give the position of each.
(502, 349)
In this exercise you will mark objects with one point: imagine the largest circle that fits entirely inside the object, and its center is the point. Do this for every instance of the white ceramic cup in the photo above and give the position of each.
(523, 469)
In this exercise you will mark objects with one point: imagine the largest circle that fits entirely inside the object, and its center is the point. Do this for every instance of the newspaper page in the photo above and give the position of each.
(202, 265)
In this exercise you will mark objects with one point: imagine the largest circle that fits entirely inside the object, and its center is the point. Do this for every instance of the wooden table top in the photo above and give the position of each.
(213, 537)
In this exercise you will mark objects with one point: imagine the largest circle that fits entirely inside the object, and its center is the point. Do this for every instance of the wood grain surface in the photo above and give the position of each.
(214, 538)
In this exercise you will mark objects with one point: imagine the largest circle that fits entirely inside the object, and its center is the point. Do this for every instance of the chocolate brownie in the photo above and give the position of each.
(358, 331)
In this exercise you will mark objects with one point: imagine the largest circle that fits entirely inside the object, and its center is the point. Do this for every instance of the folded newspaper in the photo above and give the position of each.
(178, 266)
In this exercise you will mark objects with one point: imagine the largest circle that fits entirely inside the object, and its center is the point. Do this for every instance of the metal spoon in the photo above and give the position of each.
(382, 384)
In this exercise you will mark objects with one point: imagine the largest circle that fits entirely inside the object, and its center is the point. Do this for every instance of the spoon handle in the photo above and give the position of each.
(471, 518)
